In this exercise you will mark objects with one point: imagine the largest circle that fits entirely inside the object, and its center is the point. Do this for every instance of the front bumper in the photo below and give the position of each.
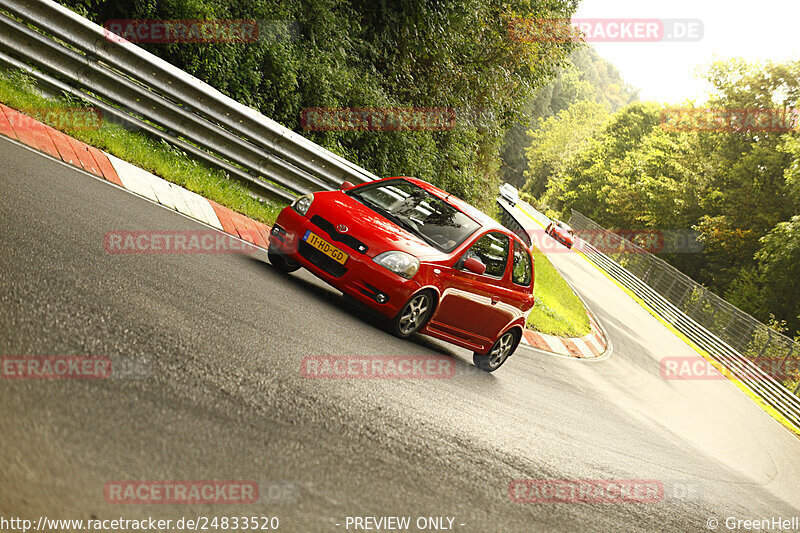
(360, 277)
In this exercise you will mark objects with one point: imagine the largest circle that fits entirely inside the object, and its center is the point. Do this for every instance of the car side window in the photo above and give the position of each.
(492, 251)
(523, 271)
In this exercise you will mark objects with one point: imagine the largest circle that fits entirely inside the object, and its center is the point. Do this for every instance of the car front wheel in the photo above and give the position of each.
(501, 350)
(281, 262)
(413, 315)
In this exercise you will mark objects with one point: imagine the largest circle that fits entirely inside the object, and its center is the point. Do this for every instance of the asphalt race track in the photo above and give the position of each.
(218, 340)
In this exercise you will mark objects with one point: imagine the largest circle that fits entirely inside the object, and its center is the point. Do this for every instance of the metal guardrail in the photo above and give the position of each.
(693, 313)
(68, 53)
(741, 364)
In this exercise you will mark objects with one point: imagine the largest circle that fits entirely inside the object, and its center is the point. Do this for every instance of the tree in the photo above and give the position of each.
(734, 186)
(558, 138)
(779, 269)
(597, 179)
(586, 76)
(362, 53)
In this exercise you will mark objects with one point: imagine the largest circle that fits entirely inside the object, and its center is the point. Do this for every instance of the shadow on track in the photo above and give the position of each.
(346, 304)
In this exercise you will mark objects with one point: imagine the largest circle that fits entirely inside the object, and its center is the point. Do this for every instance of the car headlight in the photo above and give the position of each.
(302, 204)
(400, 263)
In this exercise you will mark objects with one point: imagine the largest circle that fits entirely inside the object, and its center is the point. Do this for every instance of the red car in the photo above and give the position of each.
(561, 232)
(427, 261)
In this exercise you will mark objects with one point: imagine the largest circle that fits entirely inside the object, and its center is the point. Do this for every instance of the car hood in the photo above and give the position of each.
(377, 232)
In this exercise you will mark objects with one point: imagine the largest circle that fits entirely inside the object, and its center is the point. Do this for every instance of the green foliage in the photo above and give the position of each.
(733, 187)
(557, 139)
(603, 170)
(791, 147)
(586, 77)
(778, 260)
(362, 53)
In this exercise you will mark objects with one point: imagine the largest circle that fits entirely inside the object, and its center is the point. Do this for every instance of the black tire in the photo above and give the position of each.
(413, 315)
(281, 262)
(499, 353)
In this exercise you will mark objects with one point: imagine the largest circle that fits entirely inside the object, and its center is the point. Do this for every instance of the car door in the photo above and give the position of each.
(475, 307)
(522, 277)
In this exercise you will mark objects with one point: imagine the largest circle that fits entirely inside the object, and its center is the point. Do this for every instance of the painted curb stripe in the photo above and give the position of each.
(65, 149)
(265, 231)
(23, 134)
(85, 157)
(583, 347)
(104, 165)
(200, 208)
(46, 144)
(163, 192)
(594, 349)
(5, 126)
(224, 216)
(571, 348)
(555, 345)
(134, 179)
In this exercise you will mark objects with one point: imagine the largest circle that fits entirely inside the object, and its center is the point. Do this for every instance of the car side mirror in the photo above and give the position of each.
(474, 266)
(345, 186)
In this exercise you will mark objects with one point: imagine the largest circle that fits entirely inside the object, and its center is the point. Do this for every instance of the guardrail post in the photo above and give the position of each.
(764, 348)
(788, 355)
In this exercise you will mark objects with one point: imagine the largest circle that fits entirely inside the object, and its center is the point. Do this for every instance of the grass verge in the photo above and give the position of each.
(558, 310)
(18, 90)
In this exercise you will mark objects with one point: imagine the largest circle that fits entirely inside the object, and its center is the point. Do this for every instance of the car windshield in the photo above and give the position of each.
(425, 215)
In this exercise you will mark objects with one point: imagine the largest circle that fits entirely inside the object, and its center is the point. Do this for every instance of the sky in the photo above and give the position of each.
(667, 71)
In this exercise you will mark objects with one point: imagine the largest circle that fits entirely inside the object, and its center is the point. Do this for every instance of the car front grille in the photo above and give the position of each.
(320, 260)
(336, 236)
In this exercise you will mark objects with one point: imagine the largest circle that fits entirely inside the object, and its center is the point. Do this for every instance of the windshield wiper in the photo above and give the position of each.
(397, 220)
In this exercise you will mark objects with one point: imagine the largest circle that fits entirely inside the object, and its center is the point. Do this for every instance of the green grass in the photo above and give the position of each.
(17, 90)
(558, 311)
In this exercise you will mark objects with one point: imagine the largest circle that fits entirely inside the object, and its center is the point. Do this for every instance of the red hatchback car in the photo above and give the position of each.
(420, 257)
(561, 232)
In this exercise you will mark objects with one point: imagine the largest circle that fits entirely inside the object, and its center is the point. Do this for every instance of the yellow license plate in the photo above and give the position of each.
(325, 247)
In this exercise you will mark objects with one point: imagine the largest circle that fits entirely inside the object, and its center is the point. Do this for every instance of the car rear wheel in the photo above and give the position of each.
(413, 315)
(500, 352)
(281, 262)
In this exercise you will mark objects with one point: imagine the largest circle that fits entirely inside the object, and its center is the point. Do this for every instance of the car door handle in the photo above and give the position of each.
(494, 300)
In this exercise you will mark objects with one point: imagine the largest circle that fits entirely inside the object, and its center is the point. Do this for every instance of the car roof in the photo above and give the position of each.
(477, 215)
